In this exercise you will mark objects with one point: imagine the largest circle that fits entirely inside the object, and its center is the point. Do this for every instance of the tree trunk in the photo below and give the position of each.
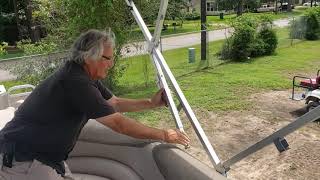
(28, 12)
(289, 8)
(311, 2)
(15, 7)
(240, 8)
(276, 7)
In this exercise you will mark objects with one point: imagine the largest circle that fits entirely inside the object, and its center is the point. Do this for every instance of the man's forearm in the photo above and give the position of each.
(130, 127)
(133, 105)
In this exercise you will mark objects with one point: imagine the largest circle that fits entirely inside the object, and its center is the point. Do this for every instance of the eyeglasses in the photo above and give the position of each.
(107, 58)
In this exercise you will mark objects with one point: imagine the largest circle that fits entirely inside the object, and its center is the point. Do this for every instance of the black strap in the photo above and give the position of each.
(8, 149)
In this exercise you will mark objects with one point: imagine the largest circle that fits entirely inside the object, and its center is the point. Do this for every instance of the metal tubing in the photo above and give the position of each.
(172, 105)
(161, 79)
(161, 15)
(191, 116)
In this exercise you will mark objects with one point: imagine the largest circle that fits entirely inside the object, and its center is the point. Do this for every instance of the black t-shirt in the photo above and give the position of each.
(49, 121)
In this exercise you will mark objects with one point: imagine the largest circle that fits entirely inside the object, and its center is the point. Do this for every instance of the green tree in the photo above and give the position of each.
(65, 20)
(239, 7)
(148, 10)
(174, 9)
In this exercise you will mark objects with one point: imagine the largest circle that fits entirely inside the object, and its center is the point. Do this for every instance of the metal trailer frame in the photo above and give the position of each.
(164, 73)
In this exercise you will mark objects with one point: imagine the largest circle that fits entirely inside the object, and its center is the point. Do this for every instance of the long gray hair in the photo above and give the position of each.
(91, 44)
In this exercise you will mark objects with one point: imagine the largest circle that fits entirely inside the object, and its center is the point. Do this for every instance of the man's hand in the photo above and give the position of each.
(159, 99)
(176, 136)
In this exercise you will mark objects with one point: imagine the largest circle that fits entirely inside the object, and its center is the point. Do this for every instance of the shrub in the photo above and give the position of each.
(258, 48)
(307, 26)
(192, 16)
(312, 27)
(225, 52)
(241, 43)
(42, 47)
(246, 19)
(3, 46)
(269, 39)
(252, 37)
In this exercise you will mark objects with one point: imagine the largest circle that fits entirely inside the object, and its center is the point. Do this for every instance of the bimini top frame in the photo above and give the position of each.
(164, 70)
(164, 73)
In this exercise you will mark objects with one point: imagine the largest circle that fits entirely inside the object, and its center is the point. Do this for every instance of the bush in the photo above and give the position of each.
(241, 43)
(42, 47)
(312, 27)
(247, 42)
(3, 46)
(224, 53)
(258, 48)
(192, 16)
(307, 26)
(269, 39)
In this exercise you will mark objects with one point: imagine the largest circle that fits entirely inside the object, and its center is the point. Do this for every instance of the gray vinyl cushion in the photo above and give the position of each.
(175, 164)
(88, 177)
(104, 168)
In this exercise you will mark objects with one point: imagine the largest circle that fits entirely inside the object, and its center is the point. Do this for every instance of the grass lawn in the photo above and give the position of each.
(224, 85)
(6, 56)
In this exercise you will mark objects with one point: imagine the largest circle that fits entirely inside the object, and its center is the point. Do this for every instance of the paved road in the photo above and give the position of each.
(6, 76)
(186, 40)
(168, 43)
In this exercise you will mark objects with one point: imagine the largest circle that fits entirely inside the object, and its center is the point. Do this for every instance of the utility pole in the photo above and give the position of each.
(203, 30)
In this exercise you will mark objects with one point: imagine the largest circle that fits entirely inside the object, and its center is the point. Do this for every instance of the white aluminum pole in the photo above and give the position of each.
(161, 78)
(172, 105)
(191, 116)
(160, 19)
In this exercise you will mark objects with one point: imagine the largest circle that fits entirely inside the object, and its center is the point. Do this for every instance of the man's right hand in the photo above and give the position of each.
(176, 136)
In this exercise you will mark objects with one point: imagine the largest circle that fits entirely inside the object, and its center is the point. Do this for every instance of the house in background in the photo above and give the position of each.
(211, 6)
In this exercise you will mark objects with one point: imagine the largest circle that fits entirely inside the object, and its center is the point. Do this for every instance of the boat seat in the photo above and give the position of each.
(96, 168)
(101, 154)
(87, 176)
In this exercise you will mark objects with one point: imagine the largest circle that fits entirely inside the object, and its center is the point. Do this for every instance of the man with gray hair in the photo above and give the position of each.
(45, 128)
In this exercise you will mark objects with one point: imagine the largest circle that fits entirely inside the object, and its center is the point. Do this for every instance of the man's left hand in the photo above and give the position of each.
(159, 99)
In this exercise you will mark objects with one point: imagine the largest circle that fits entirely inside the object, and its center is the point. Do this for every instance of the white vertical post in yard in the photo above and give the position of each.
(163, 72)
